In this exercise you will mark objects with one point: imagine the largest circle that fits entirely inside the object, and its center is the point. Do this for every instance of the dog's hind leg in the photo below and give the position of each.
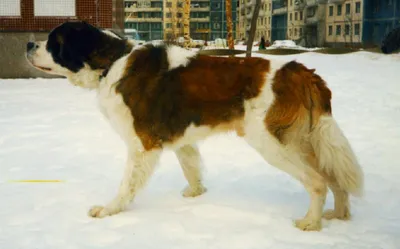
(341, 209)
(190, 160)
(140, 165)
(288, 159)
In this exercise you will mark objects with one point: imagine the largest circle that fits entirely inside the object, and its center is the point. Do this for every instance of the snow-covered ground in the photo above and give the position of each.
(50, 129)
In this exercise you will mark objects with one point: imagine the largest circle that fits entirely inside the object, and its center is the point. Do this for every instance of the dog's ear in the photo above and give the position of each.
(69, 58)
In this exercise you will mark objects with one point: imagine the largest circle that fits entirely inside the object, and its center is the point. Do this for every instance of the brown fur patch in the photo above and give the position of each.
(111, 50)
(210, 91)
(300, 95)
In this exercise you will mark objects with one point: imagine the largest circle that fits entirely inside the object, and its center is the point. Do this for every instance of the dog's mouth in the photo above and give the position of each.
(43, 68)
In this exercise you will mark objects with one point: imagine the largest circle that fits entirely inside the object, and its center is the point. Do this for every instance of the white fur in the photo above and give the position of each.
(178, 56)
(331, 146)
(108, 32)
(40, 57)
(140, 164)
(336, 156)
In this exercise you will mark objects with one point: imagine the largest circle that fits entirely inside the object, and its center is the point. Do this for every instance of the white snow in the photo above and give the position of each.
(288, 44)
(50, 129)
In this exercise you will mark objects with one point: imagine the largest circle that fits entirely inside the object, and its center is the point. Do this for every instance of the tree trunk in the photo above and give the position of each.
(253, 28)
(186, 23)
(229, 24)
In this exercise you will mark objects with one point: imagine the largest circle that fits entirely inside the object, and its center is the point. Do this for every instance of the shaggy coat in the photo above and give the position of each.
(166, 97)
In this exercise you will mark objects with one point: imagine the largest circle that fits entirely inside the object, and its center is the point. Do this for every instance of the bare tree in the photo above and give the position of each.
(253, 28)
(229, 24)
(186, 23)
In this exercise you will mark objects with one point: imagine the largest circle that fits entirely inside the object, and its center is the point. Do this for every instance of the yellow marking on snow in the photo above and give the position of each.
(36, 181)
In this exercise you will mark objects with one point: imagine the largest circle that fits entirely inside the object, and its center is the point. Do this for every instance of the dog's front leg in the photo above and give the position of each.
(140, 165)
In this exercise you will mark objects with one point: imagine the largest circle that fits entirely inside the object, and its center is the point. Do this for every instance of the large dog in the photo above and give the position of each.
(166, 97)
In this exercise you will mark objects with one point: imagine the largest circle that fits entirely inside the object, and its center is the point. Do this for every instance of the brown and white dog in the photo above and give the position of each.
(166, 97)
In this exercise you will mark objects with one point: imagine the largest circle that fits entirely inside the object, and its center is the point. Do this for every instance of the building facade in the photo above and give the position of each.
(146, 17)
(155, 20)
(344, 22)
(244, 13)
(379, 18)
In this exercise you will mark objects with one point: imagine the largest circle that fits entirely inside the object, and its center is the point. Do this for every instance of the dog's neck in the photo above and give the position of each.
(90, 78)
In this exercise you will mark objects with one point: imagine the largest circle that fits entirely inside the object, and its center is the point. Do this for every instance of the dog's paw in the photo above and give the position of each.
(308, 224)
(190, 192)
(99, 212)
(333, 214)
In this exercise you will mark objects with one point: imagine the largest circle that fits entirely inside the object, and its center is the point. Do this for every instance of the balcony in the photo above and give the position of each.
(336, 1)
(279, 11)
(299, 5)
(312, 20)
(148, 9)
(200, 19)
(144, 19)
(250, 3)
(279, 7)
(199, 9)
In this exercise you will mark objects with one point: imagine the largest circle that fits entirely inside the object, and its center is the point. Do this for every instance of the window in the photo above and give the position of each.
(338, 29)
(339, 10)
(179, 15)
(217, 26)
(54, 7)
(295, 16)
(10, 8)
(347, 29)
(300, 31)
(169, 25)
(169, 4)
(156, 26)
(330, 10)
(295, 32)
(179, 25)
(179, 4)
(217, 6)
(290, 16)
(347, 9)
(358, 7)
(301, 15)
(169, 14)
(330, 30)
(357, 29)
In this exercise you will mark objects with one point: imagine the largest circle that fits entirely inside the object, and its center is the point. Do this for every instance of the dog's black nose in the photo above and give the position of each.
(30, 45)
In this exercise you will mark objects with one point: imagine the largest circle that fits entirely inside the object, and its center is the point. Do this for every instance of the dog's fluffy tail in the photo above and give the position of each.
(335, 155)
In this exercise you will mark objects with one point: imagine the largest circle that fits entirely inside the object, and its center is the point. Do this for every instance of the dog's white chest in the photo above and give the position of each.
(113, 107)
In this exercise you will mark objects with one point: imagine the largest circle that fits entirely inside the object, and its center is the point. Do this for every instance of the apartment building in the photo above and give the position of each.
(379, 18)
(173, 22)
(218, 25)
(296, 19)
(245, 11)
(344, 22)
(314, 23)
(146, 17)
(321, 22)
(156, 19)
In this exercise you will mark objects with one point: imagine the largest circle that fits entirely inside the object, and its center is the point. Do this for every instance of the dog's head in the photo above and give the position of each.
(79, 51)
